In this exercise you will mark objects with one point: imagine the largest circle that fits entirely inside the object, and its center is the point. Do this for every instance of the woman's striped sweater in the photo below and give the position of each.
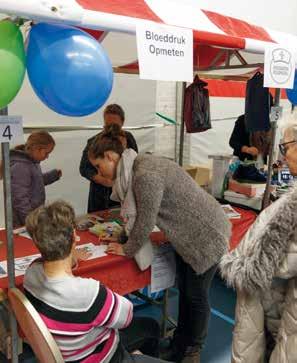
(83, 315)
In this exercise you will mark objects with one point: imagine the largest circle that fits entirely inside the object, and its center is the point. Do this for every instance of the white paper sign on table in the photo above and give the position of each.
(11, 129)
(163, 270)
(279, 66)
(165, 53)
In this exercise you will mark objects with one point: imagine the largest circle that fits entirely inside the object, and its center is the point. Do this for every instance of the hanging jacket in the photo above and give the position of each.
(196, 113)
(257, 104)
(27, 185)
(99, 195)
(263, 269)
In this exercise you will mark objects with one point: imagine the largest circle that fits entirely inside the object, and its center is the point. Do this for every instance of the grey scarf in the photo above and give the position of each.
(122, 190)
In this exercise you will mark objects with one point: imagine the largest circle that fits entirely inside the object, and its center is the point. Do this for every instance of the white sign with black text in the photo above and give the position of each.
(279, 67)
(163, 269)
(165, 53)
(11, 129)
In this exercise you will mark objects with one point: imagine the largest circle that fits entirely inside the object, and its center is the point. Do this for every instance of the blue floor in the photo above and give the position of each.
(218, 344)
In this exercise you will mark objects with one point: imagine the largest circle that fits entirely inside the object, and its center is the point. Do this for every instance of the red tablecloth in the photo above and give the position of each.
(241, 225)
(121, 274)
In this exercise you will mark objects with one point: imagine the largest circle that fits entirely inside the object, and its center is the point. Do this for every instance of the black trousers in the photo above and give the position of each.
(194, 308)
(99, 198)
(142, 334)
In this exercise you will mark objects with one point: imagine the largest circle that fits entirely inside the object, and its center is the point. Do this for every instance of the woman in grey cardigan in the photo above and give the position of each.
(156, 191)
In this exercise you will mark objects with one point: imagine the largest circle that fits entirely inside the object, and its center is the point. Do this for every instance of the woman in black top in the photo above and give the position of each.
(100, 187)
(240, 141)
(249, 145)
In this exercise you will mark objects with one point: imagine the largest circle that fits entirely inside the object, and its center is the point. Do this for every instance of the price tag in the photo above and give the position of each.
(11, 129)
(276, 113)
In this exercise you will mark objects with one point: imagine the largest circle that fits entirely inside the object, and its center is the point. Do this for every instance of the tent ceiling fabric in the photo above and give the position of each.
(118, 20)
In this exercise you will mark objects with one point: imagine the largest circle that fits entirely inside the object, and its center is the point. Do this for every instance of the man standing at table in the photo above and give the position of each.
(101, 187)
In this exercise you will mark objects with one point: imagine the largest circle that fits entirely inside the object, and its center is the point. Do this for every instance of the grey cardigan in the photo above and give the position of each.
(191, 219)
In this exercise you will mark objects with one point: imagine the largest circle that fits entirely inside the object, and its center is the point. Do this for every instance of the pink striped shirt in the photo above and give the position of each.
(83, 315)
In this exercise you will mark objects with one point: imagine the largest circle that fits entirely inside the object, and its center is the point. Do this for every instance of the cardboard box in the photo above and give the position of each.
(200, 173)
(248, 189)
(241, 199)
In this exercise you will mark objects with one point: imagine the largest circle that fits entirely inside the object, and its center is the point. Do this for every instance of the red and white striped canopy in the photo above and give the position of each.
(114, 23)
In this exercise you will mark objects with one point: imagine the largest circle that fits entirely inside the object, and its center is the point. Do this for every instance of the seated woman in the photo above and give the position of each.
(27, 180)
(83, 315)
(263, 269)
(100, 187)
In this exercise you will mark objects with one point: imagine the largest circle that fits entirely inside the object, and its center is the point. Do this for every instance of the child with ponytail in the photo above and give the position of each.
(27, 179)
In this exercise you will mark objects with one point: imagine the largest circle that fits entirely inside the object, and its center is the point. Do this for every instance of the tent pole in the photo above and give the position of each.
(182, 127)
(266, 198)
(9, 239)
(176, 157)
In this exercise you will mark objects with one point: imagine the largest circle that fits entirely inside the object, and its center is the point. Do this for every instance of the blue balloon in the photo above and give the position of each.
(68, 69)
(292, 93)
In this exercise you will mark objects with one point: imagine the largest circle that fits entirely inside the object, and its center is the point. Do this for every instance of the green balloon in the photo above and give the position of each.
(12, 61)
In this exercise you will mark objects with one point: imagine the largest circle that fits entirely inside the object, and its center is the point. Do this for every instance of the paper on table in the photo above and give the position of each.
(163, 269)
(25, 234)
(230, 212)
(96, 251)
(21, 264)
(22, 232)
(3, 272)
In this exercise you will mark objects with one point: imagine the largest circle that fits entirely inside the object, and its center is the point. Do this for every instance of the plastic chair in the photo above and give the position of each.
(37, 334)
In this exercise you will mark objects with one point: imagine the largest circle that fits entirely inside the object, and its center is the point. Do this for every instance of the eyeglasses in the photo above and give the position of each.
(282, 147)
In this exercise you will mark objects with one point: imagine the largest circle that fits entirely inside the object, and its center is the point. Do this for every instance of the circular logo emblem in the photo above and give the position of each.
(281, 67)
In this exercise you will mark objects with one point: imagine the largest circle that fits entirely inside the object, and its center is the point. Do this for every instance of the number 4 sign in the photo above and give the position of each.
(11, 129)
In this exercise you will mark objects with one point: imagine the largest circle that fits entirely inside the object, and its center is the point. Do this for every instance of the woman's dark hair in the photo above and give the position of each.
(112, 138)
(115, 109)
